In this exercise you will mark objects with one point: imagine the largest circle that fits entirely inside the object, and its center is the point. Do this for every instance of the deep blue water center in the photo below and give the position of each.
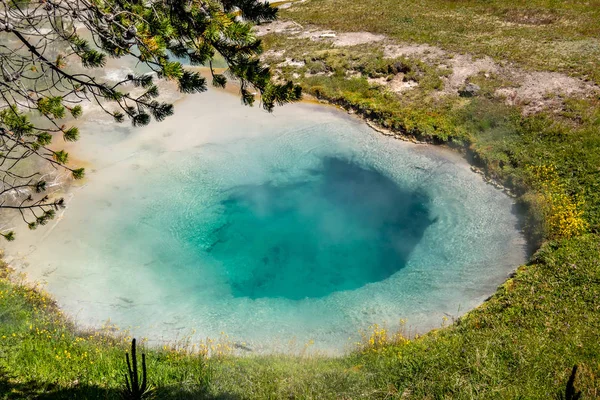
(347, 226)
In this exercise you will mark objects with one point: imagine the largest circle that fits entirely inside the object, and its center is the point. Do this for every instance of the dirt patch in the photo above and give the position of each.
(285, 4)
(542, 90)
(315, 34)
(287, 27)
(533, 91)
(356, 38)
(423, 51)
(296, 30)
(290, 62)
(397, 84)
(463, 67)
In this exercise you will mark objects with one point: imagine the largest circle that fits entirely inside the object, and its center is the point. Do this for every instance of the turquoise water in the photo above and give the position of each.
(338, 228)
(275, 229)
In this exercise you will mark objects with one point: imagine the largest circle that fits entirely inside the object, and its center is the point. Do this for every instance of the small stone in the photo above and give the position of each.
(470, 90)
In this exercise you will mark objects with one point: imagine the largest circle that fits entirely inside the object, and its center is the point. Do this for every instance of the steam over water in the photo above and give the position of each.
(296, 226)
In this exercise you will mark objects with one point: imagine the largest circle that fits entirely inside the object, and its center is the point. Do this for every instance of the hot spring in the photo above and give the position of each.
(277, 229)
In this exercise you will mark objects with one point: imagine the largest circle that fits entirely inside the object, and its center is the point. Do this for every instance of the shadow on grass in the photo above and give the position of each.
(175, 392)
(570, 392)
(12, 390)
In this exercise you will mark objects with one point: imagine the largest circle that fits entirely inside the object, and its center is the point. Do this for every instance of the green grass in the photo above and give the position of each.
(555, 35)
(41, 353)
(521, 344)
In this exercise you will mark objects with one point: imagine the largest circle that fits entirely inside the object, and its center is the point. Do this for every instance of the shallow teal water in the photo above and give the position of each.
(276, 229)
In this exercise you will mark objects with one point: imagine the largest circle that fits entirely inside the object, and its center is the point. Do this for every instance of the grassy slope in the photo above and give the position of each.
(520, 344)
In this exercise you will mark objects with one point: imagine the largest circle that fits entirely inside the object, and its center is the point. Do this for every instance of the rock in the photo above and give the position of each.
(470, 90)
(399, 68)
